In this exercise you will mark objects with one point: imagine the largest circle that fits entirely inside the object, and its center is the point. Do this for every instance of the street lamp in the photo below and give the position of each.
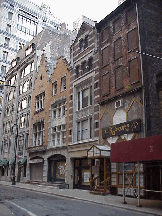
(15, 146)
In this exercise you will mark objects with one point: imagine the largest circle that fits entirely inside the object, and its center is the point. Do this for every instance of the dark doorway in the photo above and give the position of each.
(153, 180)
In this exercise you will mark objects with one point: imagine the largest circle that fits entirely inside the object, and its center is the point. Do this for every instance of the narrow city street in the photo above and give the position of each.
(23, 203)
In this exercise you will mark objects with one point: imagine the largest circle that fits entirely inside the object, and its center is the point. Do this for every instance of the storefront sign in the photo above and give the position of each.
(123, 128)
(36, 161)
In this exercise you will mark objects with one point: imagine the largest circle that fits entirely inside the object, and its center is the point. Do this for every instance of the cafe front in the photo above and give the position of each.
(146, 155)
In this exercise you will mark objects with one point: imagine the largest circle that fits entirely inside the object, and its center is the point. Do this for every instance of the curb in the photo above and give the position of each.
(91, 201)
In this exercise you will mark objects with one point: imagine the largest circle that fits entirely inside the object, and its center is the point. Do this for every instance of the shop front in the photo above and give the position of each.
(82, 173)
(4, 167)
(36, 169)
(100, 169)
(56, 168)
(139, 163)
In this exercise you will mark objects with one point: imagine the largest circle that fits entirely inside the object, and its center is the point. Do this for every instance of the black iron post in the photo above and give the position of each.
(15, 146)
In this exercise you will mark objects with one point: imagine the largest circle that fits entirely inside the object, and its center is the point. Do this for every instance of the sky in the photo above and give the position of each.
(69, 11)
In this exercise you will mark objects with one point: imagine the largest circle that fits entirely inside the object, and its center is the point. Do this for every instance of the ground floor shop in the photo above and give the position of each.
(36, 169)
(145, 152)
(56, 168)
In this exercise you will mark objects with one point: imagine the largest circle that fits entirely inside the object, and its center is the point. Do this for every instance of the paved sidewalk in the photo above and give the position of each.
(153, 207)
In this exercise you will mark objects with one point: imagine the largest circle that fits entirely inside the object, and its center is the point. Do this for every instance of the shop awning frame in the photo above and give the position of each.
(98, 152)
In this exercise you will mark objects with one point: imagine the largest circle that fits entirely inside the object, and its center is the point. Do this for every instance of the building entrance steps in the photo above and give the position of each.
(150, 207)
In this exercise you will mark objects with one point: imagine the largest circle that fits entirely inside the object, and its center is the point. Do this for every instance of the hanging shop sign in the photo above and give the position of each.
(123, 128)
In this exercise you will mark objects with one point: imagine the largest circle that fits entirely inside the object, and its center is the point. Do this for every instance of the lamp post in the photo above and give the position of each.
(16, 141)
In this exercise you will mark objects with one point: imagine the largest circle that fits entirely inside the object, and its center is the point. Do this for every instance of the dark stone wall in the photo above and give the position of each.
(150, 19)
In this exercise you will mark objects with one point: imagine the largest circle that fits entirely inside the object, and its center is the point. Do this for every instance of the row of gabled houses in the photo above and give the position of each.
(66, 103)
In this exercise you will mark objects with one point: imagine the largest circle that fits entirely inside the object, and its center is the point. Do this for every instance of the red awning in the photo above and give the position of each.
(142, 149)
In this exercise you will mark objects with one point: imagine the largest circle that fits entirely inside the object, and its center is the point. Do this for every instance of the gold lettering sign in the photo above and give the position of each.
(123, 128)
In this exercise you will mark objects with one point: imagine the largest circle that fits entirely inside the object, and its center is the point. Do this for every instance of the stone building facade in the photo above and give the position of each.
(27, 124)
(130, 86)
(84, 109)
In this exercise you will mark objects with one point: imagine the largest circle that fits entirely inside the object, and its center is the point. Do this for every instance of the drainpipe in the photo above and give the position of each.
(143, 87)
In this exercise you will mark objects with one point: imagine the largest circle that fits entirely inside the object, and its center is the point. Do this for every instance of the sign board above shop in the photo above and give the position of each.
(122, 128)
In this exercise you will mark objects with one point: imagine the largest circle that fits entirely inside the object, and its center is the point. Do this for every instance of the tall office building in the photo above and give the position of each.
(20, 21)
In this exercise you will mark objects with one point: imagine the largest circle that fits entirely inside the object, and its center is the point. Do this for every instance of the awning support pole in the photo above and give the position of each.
(139, 205)
(90, 174)
(124, 202)
(104, 176)
(160, 181)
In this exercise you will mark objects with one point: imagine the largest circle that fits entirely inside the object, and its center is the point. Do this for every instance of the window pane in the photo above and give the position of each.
(85, 134)
(85, 98)
(105, 34)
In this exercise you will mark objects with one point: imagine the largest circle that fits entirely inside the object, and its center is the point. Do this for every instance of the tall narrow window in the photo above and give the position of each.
(118, 78)
(78, 131)
(105, 34)
(63, 84)
(105, 84)
(77, 71)
(54, 88)
(105, 56)
(85, 134)
(83, 66)
(117, 26)
(79, 100)
(81, 45)
(10, 15)
(85, 94)
(134, 70)
(132, 39)
(86, 41)
(90, 63)
(131, 15)
(39, 101)
(8, 28)
(5, 55)
(118, 48)
(7, 40)
(3, 69)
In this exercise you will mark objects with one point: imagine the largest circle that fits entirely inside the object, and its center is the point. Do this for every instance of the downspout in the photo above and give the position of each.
(143, 87)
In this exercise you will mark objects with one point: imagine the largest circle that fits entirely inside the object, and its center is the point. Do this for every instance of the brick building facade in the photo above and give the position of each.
(128, 85)
(84, 95)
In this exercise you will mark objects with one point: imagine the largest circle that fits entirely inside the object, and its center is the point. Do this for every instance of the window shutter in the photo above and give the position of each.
(118, 78)
(105, 34)
(134, 71)
(131, 15)
(132, 39)
(118, 48)
(105, 84)
(105, 56)
(117, 26)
